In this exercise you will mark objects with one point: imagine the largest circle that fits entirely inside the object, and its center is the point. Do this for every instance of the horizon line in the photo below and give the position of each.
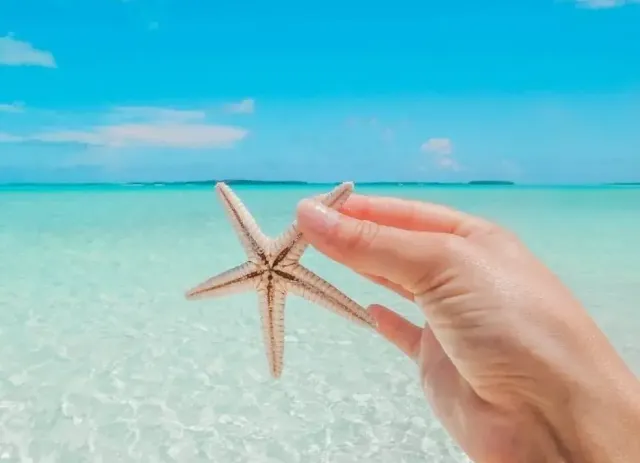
(248, 182)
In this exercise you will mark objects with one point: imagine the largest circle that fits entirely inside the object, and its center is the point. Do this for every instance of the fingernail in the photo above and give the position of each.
(318, 217)
(376, 311)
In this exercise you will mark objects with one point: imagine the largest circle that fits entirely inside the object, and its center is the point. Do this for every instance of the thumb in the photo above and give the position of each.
(404, 257)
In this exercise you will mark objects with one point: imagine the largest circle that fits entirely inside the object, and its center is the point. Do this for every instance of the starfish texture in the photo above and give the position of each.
(272, 270)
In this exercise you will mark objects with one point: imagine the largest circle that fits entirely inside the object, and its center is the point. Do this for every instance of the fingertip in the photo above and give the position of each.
(385, 318)
(315, 218)
(302, 207)
(380, 317)
(305, 212)
(377, 312)
(396, 329)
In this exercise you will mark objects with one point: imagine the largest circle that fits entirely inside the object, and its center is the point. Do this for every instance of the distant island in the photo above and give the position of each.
(491, 182)
(379, 183)
(300, 182)
(240, 181)
(292, 183)
(254, 182)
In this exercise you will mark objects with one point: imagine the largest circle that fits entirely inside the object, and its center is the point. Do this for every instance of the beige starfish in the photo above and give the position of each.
(272, 269)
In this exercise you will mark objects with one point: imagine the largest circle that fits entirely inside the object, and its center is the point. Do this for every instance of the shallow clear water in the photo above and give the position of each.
(101, 358)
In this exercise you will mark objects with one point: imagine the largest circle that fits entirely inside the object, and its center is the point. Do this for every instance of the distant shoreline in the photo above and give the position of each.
(258, 182)
(246, 182)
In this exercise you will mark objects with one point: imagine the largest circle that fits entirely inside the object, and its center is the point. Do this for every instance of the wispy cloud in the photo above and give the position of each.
(150, 135)
(15, 52)
(448, 163)
(15, 107)
(246, 106)
(442, 151)
(157, 113)
(440, 146)
(8, 138)
(603, 4)
(141, 126)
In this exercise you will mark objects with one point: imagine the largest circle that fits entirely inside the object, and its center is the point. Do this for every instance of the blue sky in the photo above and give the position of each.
(143, 90)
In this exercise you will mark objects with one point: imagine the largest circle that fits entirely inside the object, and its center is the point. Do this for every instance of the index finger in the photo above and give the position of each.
(413, 215)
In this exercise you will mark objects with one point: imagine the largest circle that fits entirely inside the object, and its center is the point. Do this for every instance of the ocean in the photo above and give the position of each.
(103, 360)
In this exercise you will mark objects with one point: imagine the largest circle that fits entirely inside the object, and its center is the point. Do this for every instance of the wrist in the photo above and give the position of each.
(598, 419)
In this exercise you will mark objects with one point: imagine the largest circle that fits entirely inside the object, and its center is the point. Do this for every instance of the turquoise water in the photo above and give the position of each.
(102, 360)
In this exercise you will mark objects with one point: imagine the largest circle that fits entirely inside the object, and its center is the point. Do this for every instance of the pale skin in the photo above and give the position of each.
(508, 358)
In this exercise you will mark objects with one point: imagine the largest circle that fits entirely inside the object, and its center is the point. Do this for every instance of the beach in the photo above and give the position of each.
(103, 360)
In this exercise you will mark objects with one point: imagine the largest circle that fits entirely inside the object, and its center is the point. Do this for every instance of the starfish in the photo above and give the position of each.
(273, 269)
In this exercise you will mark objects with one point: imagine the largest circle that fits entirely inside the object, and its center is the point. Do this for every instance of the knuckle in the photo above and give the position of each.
(492, 228)
(446, 253)
(361, 236)
(497, 230)
(450, 245)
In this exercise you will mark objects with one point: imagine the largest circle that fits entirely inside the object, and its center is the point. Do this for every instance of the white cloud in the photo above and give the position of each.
(246, 106)
(149, 135)
(17, 53)
(15, 107)
(441, 146)
(8, 138)
(602, 4)
(448, 163)
(137, 126)
(156, 113)
(442, 151)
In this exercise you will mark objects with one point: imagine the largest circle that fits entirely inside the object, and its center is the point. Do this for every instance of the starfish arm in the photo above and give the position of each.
(290, 245)
(235, 280)
(254, 242)
(272, 299)
(305, 283)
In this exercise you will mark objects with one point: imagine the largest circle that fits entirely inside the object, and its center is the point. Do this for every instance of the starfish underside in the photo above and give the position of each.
(272, 270)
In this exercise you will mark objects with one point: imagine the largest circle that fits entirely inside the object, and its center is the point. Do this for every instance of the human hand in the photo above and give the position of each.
(509, 360)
